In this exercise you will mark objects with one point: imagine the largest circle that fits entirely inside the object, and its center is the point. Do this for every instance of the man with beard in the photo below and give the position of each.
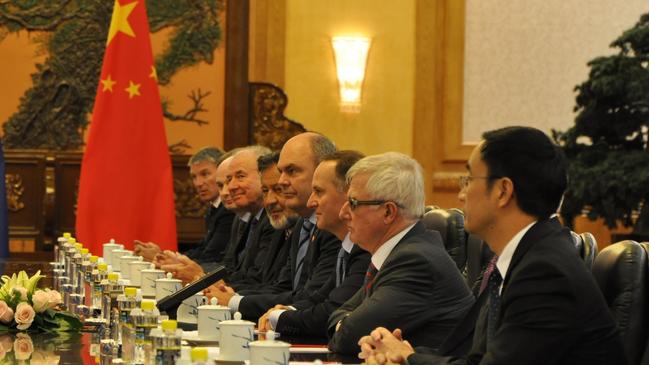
(308, 318)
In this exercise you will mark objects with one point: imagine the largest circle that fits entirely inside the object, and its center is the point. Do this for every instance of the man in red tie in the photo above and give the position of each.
(412, 282)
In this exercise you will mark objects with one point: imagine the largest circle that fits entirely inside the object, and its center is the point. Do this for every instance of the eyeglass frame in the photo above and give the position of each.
(354, 203)
(464, 180)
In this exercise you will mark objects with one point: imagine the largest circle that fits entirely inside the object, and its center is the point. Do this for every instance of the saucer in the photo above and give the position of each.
(192, 338)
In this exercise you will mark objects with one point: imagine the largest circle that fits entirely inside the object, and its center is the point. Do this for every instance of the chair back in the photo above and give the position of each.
(450, 225)
(621, 273)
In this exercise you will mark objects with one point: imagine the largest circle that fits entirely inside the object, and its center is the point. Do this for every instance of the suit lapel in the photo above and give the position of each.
(539, 230)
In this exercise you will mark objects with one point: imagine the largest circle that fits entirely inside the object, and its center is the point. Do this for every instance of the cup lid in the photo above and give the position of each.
(169, 279)
(214, 304)
(237, 321)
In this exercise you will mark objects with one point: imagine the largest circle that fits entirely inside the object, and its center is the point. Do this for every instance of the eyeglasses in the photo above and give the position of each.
(465, 179)
(354, 203)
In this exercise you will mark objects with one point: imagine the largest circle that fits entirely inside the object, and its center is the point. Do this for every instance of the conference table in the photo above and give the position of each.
(84, 347)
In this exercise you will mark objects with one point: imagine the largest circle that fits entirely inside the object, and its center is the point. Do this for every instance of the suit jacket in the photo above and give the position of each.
(418, 289)
(218, 223)
(263, 264)
(310, 318)
(551, 311)
(318, 266)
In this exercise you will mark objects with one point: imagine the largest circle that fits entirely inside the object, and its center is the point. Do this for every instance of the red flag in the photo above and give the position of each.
(126, 185)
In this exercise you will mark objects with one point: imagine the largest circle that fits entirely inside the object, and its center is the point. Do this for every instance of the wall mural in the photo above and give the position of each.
(53, 113)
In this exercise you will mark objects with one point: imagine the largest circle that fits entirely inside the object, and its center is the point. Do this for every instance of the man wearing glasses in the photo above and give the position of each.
(540, 304)
(411, 283)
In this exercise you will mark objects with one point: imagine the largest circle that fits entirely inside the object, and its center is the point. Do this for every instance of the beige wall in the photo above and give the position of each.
(523, 58)
(385, 120)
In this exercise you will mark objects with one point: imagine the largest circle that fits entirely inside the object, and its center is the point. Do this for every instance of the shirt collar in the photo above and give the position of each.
(245, 217)
(347, 244)
(382, 253)
(505, 257)
(313, 219)
(258, 215)
(217, 202)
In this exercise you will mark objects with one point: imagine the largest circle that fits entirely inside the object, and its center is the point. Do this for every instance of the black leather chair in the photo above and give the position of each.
(589, 249)
(478, 255)
(586, 246)
(645, 358)
(621, 273)
(450, 225)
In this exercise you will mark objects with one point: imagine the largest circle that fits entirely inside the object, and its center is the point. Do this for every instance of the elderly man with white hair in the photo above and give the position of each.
(411, 283)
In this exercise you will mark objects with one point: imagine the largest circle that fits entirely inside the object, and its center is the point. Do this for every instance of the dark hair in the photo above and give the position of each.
(321, 147)
(266, 161)
(345, 159)
(536, 166)
(211, 154)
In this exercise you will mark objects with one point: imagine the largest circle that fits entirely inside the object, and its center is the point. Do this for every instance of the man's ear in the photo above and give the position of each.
(390, 212)
(505, 188)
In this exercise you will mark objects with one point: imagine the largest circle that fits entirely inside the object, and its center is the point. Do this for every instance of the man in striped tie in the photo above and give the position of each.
(308, 317)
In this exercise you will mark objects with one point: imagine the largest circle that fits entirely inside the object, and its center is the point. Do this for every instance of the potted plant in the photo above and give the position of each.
(608, 160)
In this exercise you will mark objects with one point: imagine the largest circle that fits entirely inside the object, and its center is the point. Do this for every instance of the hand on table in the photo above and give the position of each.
(148, 250)
(220, 291)
(384, 347)
(264, 323)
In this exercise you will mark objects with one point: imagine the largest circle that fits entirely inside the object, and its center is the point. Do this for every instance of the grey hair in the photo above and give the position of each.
(211, 154)
(395, 177)
(321, 147)
(257, 150)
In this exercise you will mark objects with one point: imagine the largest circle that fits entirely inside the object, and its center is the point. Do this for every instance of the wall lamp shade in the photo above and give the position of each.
(351, 58)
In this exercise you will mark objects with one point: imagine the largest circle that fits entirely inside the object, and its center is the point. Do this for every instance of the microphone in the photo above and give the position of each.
(170, 303)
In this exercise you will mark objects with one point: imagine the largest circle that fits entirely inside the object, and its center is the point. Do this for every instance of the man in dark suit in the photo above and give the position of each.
(308, 317)
(411, 281)
(269, 265)
(313, 252)
(548, 309)
(204, 172)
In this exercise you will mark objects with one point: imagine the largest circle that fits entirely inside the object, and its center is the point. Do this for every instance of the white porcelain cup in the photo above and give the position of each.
(166, 286)
(147, 283)
(115, 258)
(269, 352)
(188, 309)
(123, 264)
(135, 271)
(209, 320)
(108, 250)
(236, 336)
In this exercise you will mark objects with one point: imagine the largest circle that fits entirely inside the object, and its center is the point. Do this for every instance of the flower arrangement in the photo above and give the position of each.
(25, 308)
(22, 349)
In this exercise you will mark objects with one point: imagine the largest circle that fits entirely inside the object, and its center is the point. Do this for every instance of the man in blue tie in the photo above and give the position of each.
(308, 317)
(540, 305)
(313, 252)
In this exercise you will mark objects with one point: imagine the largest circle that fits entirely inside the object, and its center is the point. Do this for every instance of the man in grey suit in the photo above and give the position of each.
(411, 281)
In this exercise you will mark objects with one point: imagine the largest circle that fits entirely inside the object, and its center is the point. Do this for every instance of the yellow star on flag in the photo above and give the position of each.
(119, 20)
(132, 89)
(154, 73)
(108, 84)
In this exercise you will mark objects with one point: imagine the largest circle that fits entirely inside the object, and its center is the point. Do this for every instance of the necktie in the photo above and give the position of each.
(369, 277)
(249, 239)
(485, 276)
(493, 287)
(303, 246)
(341, 264)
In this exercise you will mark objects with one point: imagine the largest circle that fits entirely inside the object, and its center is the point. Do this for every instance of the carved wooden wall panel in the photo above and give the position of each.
(271, 127)
(42, 194)
(25, 179)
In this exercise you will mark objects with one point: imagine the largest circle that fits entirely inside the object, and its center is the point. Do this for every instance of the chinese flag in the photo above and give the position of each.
(126, 186)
